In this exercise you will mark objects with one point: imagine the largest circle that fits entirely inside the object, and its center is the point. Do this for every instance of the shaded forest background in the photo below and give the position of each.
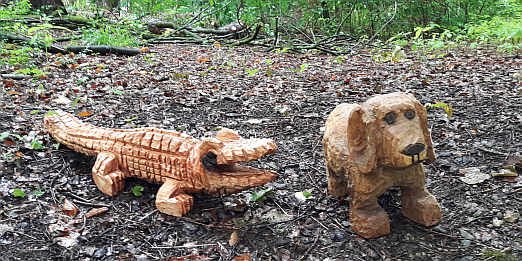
(334, 27)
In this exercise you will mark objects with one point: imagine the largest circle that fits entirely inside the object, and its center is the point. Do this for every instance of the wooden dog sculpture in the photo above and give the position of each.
(374, 146)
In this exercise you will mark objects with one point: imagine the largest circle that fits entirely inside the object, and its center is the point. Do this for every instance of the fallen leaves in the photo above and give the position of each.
(203, 60)
(244, 257)
(14, 92)
(84, 114)
(234, 238)
(96, 211)
(69, 209)
(472, 175)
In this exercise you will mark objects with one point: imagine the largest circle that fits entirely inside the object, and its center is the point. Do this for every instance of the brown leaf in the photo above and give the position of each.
(244, 257)
(201, 60)
(9, 143)
(13, 93)
(144, 49)
(18, 155)
(187, 258)
(69, 208)
(511, 179)
(234, 238)
(96, 211)
(8, 83)
(84, 114)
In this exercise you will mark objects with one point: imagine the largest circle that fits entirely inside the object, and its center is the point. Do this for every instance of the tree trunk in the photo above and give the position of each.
(48, 6)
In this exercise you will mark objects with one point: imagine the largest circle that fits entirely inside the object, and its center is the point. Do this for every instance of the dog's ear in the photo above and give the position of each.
(421, 113)
(362, 152)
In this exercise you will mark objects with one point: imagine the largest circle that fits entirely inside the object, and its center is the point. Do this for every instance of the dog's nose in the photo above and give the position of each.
(413, 149)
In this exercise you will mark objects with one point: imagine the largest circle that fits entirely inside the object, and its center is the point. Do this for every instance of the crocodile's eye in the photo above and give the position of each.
(390, 117)
(409, 114)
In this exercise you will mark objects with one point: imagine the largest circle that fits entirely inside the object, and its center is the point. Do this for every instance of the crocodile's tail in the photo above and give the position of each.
(71, 131)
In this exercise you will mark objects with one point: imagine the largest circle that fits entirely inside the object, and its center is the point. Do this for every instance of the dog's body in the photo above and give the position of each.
(374, 146)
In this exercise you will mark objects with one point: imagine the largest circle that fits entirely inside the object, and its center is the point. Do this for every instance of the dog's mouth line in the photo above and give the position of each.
(413, 162)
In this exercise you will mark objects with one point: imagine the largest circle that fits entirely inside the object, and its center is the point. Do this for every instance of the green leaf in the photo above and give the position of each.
(447, 108)
(4, 135)
(137, 191)
(36, 145)
(38, 193)
(303, 67)
(259, 195)
(117, 91)
(252, 72)
(307, 194)
(130, 119)
(18, 193)
(34, 112)
(50, 113)
(75, 102)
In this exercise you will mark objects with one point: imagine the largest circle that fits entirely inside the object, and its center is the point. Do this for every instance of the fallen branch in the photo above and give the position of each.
(248, 39)
(103, 50)
(14, 38)
(15, 76)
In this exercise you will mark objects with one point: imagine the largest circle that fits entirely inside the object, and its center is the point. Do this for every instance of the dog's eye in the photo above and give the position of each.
(390, 117)
(409, 114)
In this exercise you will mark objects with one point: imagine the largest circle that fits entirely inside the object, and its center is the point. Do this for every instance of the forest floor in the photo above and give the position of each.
(283, 96)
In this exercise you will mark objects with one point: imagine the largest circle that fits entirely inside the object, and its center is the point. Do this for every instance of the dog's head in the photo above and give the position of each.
(391, 127)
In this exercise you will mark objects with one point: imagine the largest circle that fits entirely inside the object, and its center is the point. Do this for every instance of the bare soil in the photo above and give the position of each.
(287, 97)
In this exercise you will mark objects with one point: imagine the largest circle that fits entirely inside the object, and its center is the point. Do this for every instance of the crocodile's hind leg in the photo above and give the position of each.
(107, 175)
(171, 200)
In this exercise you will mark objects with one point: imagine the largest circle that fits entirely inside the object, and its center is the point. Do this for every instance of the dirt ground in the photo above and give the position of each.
(283, 96)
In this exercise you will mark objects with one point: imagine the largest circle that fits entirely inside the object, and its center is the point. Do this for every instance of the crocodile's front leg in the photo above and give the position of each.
(107, 174)
(171, 200)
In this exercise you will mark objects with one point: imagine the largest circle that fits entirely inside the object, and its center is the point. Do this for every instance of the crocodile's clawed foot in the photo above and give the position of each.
(106, 174)
(170, 199)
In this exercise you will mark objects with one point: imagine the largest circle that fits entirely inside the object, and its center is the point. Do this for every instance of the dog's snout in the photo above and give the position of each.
(413, 149)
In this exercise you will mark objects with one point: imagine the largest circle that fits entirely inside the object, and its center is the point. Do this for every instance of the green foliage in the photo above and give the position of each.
(31, 71)
(252, 72)
(498, 256)
(10, 54)
(18, 193)
(38, 193)
(110, 34)
(4, 135)
(130, 119)
(259, 195)
(51, 113)
(36, 145)
(137, 190)
(15, 9)
(447, 108)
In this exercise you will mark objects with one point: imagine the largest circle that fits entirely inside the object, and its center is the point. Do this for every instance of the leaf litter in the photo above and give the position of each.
(474, 117)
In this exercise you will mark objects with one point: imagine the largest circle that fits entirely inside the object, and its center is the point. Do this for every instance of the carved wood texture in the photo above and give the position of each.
(163, 156)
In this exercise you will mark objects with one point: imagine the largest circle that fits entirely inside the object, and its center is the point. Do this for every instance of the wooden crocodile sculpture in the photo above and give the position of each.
(182, 163)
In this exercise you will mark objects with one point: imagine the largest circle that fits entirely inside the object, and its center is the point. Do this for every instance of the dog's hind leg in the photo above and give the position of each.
(337, 182)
